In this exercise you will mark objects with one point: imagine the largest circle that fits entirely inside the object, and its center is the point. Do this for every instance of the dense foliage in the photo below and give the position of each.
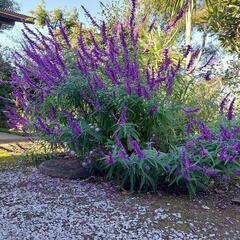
(5, 89)
(224, 20)
(104, 96)
(10, 5)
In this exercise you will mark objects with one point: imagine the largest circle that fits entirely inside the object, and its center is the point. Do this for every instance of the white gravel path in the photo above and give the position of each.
(33, 206)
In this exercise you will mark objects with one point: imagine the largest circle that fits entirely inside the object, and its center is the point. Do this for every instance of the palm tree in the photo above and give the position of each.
(194, 11)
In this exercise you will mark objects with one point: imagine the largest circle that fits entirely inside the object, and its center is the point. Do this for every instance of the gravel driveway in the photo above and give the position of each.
(33, 206)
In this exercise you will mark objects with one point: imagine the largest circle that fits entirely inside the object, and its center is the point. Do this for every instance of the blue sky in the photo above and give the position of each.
(10, 38)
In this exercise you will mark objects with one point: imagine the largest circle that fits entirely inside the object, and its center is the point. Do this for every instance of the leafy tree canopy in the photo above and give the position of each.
(224, 19)
(10, 5)
(69, 20)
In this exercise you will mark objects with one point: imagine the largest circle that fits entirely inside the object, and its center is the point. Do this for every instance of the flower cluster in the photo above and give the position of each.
(208, 152)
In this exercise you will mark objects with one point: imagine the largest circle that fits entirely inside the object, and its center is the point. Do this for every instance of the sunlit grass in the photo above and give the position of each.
(27, 153)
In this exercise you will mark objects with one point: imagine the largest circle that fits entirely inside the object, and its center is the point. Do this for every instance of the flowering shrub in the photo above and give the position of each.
(84, 96)
(101, 96)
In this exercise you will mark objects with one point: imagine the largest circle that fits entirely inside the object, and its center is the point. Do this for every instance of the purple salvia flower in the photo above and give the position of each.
(97, 105)
(223, 104)
(140, 153)
(231, 110)
(169, 84)
(123, 118)
(187, 50)
(205, 131)
(208, 61)
(154, 108)
(151, 26)
(147, 168)
(192, 59)
(225, 134)
(225, 178)
(122, 152)
(90, 17)
(145, 93)
(44, 127)
(190, 110)
(98, 81)
(203, 152)
(76, 128)
(238, 148)
(189, 126)
(111, 74)
(185, 175)
(116, 27)
(223, 153)
(110, 160)
(236, 172)
(149, 145)
(132, 22)
(64, 35)
(210, 172)
(128, 86)
(232, 158)
(178, 17)
(104, 33)
(185, 161)
(94, 41)
(207, 76)
(139, 89)
(125, 49)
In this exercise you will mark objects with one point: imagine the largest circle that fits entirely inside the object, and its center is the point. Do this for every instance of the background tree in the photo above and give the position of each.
(5, 90)
(5, 66)
(69, 20)
(189, 13)
(224, 19)
(10, 5)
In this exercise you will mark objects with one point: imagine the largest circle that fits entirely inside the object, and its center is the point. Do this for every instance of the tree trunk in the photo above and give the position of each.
(205, 33)
(188, 32)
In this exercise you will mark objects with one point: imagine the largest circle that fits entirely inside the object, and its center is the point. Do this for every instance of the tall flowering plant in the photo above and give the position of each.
(101, 96)
(85, 95)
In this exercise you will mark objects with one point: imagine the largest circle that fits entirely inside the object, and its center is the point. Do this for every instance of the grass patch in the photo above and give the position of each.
(26, 154)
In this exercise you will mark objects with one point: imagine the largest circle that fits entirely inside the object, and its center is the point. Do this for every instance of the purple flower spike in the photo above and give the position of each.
(231, 110)
(203, 152)
(90, 17)
(43, 126)
(151, 25)
(110, 160)
(76, 128)
(232, 158)
(154, 108)
(65, 36)
(223, 104)
(184, 159)
(136, 147)
(185, 175)
(207, 76)
(123, 118)
(187, 50)
(177, 18)
(132, 22)
(190, 110)
(223, 153)
(210, 172)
